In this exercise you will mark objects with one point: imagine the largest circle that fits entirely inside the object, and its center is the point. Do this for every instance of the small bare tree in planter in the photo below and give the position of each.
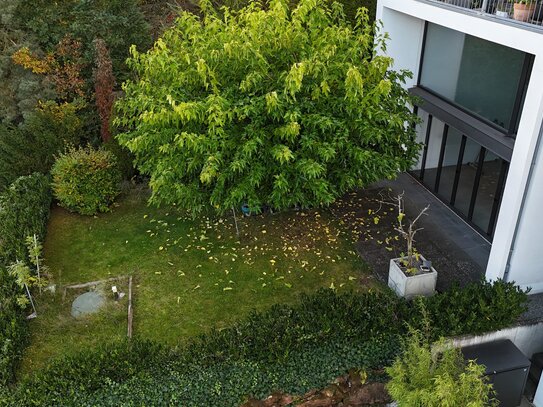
(410, 275)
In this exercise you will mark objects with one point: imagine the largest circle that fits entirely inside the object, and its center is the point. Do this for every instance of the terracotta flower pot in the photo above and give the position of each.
(523, 12)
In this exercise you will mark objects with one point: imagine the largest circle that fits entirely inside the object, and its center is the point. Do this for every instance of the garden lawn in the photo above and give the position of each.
(190, 275)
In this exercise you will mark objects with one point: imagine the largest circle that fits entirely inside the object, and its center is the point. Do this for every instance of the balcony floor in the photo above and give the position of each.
(457, 252)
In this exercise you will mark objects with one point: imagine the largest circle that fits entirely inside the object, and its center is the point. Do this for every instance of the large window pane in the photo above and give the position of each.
(481, 76)
(467, 177)
(488, 188)
(432, 156)
(450, 161)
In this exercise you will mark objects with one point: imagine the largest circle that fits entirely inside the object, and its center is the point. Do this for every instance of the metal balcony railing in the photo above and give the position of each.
(528, 12)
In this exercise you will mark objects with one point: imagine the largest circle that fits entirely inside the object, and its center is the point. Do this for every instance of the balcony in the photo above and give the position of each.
(512, 12)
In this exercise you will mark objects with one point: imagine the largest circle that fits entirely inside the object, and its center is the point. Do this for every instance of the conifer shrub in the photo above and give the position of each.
(433, 375)
(13, 329)
(31, 147)
(24, 211)
(86, 180)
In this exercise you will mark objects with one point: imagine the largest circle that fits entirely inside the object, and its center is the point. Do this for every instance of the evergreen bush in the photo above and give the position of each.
(86, 180)
(436, 376)
(14, 333)
(24, 211)
(31, 147)
(288, 347)
(474, 309)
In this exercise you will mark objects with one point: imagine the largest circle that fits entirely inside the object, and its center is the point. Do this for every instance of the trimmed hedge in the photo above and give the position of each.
(86, 180)
(32, 146)
(475, 309)
(291, 348)
(13, 329)
(24, 210)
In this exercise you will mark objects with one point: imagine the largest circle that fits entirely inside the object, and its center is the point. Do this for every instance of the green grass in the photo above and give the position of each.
(189, 275)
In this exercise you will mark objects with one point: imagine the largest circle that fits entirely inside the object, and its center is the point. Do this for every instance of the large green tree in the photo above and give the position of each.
(269, 106)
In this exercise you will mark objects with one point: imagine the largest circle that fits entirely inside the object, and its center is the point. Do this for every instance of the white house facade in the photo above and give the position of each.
(478, 79)
(479, 83)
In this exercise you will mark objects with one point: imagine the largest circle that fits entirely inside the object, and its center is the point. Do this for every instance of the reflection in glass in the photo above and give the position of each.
(450, 160)
(481, 76)
(487, 191)
(468, 173)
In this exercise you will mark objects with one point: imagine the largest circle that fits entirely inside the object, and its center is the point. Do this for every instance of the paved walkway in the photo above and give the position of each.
(458, 253)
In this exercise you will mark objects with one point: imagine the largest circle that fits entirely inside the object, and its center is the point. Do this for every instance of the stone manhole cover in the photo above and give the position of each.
(87, 303)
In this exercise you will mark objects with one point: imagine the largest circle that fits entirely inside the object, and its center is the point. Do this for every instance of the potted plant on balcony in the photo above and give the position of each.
(411, 274)
(524, 10)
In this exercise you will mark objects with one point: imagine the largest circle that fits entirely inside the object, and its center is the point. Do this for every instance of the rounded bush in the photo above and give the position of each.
(86, 180)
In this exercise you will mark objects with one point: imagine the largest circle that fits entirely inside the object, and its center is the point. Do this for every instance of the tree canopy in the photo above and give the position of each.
(266, 106)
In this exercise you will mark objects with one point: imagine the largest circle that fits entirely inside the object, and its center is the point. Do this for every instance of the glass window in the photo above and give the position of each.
(480, 76)
(488, 191)
(450, 164)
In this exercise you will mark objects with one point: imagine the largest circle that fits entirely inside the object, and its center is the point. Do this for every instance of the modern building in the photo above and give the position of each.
(478, 80)
(478, 77)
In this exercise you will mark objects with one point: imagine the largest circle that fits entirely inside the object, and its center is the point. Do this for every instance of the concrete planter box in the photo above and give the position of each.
(412, 285)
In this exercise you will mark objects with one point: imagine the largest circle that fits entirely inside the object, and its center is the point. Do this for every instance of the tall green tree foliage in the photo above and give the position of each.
(267, 106)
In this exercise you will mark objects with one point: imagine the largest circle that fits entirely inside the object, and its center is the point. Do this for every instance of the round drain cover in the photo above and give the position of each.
(87, 303)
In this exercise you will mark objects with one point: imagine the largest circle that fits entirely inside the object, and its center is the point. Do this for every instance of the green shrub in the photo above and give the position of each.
(86, 180)
(426, 376)
(323, 316)
(24, 211)
(288, 347)
(476, 308)
(149, 375)
(89, 371)
(13, 329)
(124, 158)
(31, 147)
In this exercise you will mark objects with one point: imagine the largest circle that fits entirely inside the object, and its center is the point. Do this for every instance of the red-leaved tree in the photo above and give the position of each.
(104, 81)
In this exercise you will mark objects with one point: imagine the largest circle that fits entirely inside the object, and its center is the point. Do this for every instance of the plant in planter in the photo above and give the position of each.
(410, 275)
(524, 10)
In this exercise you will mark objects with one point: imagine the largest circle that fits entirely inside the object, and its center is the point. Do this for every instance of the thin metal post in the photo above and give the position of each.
(484, 7)
(425, 149)
(35, 313)
(35, 240)
(235, 221)
(441, 157)
(475, 190)
(130, 309)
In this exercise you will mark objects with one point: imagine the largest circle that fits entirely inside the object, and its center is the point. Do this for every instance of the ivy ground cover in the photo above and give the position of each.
(189, 274)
